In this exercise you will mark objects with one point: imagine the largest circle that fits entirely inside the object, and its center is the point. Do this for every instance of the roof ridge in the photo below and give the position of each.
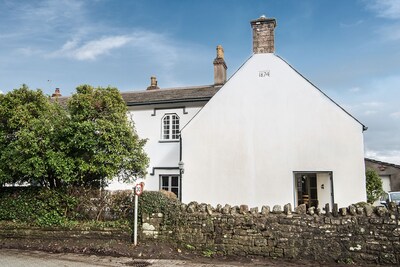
(171, 88)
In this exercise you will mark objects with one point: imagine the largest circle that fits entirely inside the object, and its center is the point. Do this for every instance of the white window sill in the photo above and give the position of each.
(169, 141)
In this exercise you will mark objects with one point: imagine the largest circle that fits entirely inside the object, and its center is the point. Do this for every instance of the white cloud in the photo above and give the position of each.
(390, 156)
(370, 112)
(395, 115)
(372, 104)
(389, 9)
(91, 49)
(1, 92)
(351, 24)
(28, 51)
(355, 89)
(390, 32)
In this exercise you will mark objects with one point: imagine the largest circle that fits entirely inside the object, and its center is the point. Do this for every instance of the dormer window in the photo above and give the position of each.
(170, 127)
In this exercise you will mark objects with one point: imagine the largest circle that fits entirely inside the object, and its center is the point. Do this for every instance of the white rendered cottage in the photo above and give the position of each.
(267, 136)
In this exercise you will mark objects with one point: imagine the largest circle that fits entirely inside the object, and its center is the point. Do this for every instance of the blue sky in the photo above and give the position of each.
(350, 49)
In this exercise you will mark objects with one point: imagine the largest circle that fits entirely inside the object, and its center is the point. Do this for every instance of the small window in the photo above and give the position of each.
(170, 127)
(171, 183)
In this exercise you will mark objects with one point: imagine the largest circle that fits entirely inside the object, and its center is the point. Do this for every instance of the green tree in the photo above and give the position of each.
(31, 139)
(374, 185)
(88, 142)
(102, 141)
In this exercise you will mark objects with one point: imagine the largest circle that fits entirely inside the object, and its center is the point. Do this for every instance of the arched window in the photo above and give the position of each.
(170, 127)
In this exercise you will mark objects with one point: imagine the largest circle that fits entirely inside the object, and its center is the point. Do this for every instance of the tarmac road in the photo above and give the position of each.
(24, 258)
(28, 258)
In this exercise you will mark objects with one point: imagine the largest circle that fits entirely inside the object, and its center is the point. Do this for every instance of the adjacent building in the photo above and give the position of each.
(388, 172)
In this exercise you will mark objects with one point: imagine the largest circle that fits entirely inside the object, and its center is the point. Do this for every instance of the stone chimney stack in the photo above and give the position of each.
(263, 35)
(57, 93)
(219, 67)
(153, 83)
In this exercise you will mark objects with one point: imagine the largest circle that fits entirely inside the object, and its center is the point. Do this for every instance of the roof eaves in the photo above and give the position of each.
(364, 128)
(169, 101)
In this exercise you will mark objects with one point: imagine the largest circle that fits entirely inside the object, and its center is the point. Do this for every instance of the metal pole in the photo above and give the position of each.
(135, 220)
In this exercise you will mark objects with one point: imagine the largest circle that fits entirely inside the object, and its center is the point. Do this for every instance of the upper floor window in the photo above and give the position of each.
(170, 127)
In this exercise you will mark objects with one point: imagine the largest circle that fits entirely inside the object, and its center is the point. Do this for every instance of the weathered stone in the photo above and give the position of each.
(202, 207)
(335, 210)
(235, 210)
(352, 210)
(327, 209)
(301, 209)
(226, 209)
(218, 208)
(254, 210)
(392, 206)
(396, 232)
(277, 209)
(236, 232)
(287, 209)
(265, 210)
(191, 208)
(209, 209)
(148, 227)
(318, 211)
(369, 210)
(311, 210)
(360, 210)
(381, 211)
(244, 209)
(343, 211)
(183, 207)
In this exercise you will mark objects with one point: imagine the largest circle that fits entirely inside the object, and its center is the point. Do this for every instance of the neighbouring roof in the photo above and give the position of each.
(383, 163)
(162, 96)
(175, 95)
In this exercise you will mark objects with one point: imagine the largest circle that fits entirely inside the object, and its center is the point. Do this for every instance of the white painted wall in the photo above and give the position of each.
(324, 189)
(161, 154)
(245, 144)
(385, 183)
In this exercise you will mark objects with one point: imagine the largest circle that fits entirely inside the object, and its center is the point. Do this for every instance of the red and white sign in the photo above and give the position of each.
(139, 189)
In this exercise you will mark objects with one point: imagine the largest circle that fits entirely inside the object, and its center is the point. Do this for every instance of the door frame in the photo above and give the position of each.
(295, 196)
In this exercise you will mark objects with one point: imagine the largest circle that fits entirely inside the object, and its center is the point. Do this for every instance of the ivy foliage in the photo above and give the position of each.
(374, 186)
(69, 207)
(88, 142)
(158, 202)
(37, 206)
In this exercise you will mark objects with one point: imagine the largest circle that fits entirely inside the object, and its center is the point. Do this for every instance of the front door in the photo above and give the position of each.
(307, 191)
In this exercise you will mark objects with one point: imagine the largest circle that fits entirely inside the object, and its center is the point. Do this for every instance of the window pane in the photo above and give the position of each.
(176, 191)
(174, 181)
(164, 181)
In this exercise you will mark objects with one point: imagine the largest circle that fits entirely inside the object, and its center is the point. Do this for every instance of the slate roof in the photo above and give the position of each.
(382, 163)
(162, 96)
(175, 95)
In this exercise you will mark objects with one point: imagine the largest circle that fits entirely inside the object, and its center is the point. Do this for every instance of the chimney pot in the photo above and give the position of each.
(219, 67)
(57, 93)
(263, 35)
(153, 83)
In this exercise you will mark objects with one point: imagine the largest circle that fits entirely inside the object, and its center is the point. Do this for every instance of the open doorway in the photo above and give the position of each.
(307, 189)
(314, 189)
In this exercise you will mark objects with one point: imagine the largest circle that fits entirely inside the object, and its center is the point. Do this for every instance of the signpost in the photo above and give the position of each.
(138, 190)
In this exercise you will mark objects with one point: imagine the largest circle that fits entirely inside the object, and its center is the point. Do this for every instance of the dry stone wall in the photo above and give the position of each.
(352, 234)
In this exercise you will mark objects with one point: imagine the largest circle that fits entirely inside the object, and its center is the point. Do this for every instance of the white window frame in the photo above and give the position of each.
(170, 127)
(169, 187)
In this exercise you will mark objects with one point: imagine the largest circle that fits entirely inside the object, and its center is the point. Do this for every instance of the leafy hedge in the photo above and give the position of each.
(159, 202)
(39, 206)
(68, 206)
